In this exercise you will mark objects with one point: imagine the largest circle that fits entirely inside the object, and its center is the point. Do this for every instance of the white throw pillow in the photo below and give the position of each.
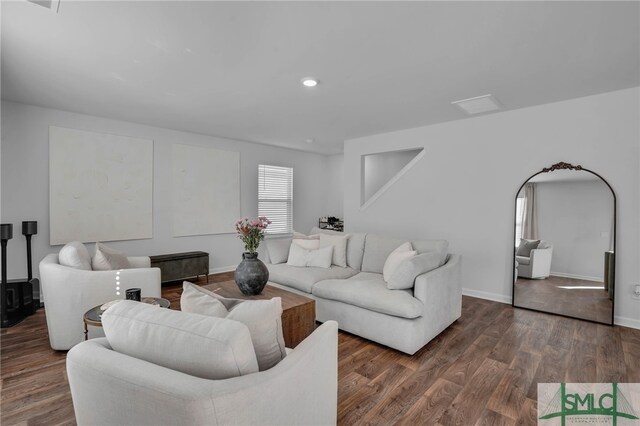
(198, 345)
(404, 251)
(405, 274)
(75, 255)
(278, 249)
(339, 244)
(262, 317)
(320, 258)
(307, 244)
(108, 259)
(300, 236)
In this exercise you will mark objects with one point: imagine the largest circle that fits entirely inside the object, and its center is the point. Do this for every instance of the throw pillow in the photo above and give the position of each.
(307, 244)
(75, 255)
(107, 259)
(278, 249)
(263, 318)
(199, 345)
(339, 244)
(300, 236)
(402, 252)
(320, 258)
(525, 247)
(405, 274)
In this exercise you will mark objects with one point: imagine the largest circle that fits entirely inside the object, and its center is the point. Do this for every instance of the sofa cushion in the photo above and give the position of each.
(395, 258)
(262, 317)
(355, 246)
(278, 249)
(307, 244)
(405, 274)
(202, 346)
(75, 255)
(438, 246)
(523, 260)
(376, 251)
(300, 236)
(304, 278)
(108, 259)
(378, 247)
(320, 258)
(369, 291)
(339, 244)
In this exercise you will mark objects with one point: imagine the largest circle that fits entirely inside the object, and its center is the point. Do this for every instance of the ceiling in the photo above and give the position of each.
(233, 69)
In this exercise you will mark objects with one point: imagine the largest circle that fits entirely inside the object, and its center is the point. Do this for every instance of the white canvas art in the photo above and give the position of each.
(206, 190)
(100, 186)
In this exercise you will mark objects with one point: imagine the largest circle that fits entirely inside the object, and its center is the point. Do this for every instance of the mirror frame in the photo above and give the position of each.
(567, 166)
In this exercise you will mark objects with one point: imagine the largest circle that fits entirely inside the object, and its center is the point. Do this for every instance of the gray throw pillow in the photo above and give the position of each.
(405, 275)
(278, 249)
(525, 247)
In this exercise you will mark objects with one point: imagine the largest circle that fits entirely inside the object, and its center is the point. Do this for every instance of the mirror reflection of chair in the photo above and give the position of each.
(538, 263)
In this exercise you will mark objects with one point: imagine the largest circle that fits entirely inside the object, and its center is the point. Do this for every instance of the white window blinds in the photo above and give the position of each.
(275, 197)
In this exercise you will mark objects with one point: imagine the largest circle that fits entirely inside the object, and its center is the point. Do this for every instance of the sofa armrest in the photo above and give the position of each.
(440, 290)
(139, 261)
(302, 388)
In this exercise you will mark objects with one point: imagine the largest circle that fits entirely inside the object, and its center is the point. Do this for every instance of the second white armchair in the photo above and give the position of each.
(538, 264)
(69, 292)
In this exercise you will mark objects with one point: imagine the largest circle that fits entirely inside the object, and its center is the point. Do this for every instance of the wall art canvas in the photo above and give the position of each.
(206, 190)
(100, 186)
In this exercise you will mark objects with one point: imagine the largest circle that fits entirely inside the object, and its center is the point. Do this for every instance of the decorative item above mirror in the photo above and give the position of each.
(565, 243)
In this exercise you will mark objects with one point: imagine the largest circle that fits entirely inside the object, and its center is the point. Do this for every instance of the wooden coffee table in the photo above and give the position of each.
(298, 312)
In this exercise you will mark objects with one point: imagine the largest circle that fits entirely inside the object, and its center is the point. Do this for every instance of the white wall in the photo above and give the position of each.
(463, 189)
(335, 185)
(25, 183)
(576, 217)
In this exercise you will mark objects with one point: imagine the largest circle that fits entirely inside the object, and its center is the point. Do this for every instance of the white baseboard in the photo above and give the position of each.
(487, 295)
(626, 322)
(222, 269)
(577, 277)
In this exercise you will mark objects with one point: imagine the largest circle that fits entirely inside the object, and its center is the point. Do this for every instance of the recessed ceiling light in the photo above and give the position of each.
(310, 140)
(479, 104)
(309, 82)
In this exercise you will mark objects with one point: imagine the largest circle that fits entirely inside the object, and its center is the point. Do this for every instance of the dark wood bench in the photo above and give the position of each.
(177, 266)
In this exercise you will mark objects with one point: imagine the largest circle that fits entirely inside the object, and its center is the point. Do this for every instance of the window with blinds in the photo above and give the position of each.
(275, 197)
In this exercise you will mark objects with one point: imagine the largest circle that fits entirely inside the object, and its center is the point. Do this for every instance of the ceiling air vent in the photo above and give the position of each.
(479, 104)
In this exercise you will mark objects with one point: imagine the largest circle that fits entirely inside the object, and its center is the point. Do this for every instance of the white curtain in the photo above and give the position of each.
(530, 220)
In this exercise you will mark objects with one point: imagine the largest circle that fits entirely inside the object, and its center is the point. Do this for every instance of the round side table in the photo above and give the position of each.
(94, 315)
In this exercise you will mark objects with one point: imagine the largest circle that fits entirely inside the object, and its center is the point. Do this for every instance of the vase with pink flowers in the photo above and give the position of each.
(252, 274)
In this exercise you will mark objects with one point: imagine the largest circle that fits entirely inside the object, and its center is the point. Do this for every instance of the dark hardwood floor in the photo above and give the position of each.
(483, 370)
(566, 296)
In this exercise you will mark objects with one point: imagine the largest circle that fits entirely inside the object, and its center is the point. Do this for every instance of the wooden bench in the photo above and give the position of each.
(177, 266)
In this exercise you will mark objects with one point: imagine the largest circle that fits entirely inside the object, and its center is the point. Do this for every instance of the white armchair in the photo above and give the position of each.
(68, 293)
(111, 388)
(538, 265)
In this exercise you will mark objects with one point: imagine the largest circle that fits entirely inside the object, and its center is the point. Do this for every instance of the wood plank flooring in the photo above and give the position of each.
(483, 370)
(565, 296)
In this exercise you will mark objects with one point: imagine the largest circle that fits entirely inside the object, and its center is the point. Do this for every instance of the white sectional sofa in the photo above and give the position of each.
(357, 297)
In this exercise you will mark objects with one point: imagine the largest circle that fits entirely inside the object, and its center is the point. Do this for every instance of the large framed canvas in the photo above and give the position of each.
(100, 186)
(206, 190)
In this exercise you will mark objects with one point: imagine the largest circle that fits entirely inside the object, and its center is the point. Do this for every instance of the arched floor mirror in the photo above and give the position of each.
(565, 244)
